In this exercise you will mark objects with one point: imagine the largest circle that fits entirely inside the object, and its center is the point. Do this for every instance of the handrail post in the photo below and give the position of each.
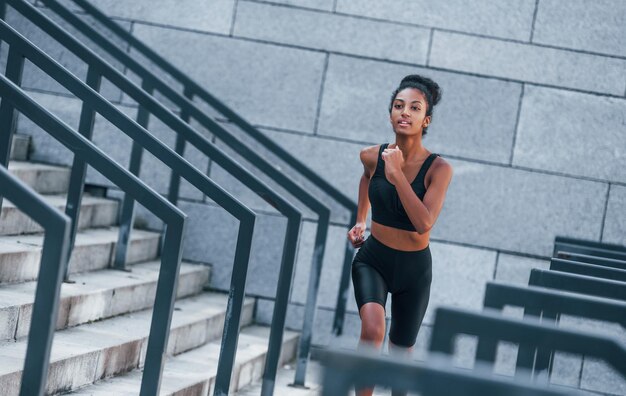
(46, 303)
(46, 306)
(236, 297)
(79, 167)
(8, 116)
(164, 300)
(306, 336)
(174, 191)
(344, 285)
(281, 303)
(127, 216)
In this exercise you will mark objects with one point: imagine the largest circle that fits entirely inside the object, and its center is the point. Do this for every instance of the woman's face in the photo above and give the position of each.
(408, 112)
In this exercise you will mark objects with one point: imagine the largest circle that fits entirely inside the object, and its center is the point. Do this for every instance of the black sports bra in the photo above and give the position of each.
(386, 206)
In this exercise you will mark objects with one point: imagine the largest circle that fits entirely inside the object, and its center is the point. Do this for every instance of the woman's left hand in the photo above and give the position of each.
(393, 162)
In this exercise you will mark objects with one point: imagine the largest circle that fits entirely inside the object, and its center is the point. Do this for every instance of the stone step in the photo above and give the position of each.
(95, 212)
(193, 372)
(19, 147)
(285, 377)
(83, 354)
(95, 296)
(43, 178)
(20, 255)
(313, 385)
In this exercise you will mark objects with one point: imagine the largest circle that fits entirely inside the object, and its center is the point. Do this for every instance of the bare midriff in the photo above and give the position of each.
(398, 239)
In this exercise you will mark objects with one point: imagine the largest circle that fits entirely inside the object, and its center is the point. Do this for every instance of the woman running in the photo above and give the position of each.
(406, 185)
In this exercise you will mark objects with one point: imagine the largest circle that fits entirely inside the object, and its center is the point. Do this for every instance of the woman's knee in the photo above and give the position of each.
(372, 322)
(373, 332)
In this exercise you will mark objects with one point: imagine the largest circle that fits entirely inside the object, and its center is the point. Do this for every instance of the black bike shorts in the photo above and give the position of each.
(378, 269)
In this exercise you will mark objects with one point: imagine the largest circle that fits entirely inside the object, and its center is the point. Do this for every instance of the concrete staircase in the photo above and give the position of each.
(104, 317)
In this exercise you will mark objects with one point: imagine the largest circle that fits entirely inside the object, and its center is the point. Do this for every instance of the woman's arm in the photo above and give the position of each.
(423, 214)
(369, 156)
(364, 183)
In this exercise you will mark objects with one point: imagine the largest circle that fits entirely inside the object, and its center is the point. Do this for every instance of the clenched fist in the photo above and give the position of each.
(356, 235)
(393, 162)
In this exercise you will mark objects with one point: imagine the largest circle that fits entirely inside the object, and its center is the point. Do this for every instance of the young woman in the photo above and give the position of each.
(406, 185)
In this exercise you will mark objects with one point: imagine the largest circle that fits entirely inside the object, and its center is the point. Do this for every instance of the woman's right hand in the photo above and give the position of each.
(356, 235)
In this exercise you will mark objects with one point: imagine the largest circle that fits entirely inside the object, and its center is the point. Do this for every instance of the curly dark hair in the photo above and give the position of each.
(428, 87)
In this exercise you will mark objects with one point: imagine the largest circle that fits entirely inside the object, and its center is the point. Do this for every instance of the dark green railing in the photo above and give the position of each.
(53, 260)
(578, 284)
(149, 106)
(590, 259)
(591, 289)
(343, 370)
(547, 304)
(189, 110)
(450, 323)
(537, 300)
(598, 249)
(597, 271)
(14, 98)
(20, 48)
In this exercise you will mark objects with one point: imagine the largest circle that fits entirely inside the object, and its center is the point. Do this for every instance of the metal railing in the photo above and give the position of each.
(578, 284)
(597, 271)
(54, 255)
(452, 322)
(189, 110)
(590, 259)
(193, 89)
(343, 370)
(536, 300)
(598, 249)
(548, 305)
(14, 98)
(20, 48)
(98, 68)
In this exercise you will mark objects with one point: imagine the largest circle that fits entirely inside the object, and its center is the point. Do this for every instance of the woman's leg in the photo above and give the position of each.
(370, 291)
(409, 301)
(401, 352)
(372, 332)
(372, 325)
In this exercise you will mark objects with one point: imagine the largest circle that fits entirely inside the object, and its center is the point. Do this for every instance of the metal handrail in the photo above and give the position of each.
(589, 259)
(597, 271)
(194, 89)
(578, 284)
(200, 92)
(151, 83)
(54, 255)
(451, 322)
(573, 245)
(149, 106)
(13, 97)
(436, 377)
(575, 283)
(20, 47)
(590, 243)
(549, 305)
(499, 295)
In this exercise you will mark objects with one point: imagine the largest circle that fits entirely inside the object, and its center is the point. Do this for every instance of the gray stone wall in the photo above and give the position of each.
(532, 120)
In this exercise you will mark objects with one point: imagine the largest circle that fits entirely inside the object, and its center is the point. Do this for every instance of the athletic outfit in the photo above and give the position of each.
(378, 269)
